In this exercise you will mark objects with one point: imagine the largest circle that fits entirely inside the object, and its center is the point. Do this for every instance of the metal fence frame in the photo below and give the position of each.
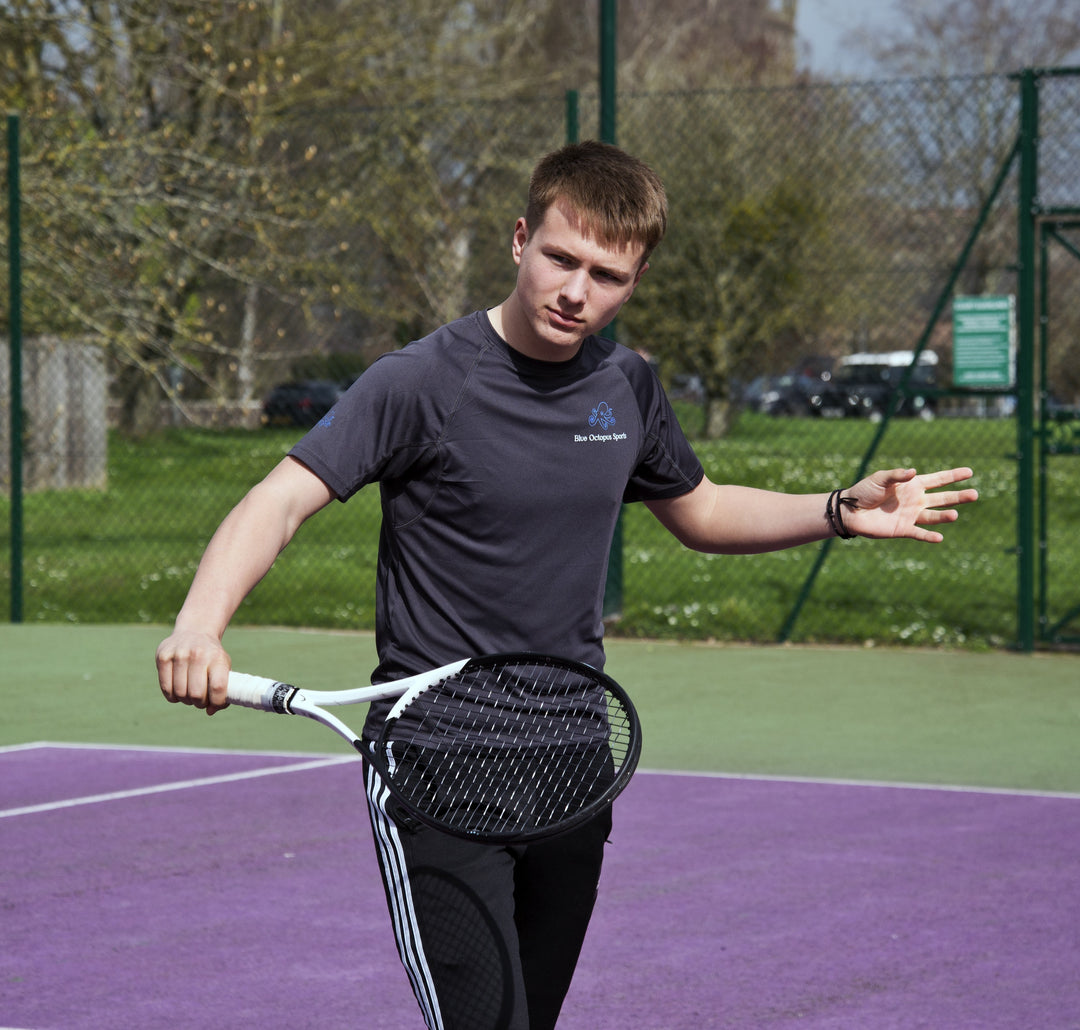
(1039, 225)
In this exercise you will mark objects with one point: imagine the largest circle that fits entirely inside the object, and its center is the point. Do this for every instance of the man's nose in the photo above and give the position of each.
(575, 287)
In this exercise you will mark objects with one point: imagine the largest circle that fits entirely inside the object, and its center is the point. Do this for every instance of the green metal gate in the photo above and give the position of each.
(1059, 439)
(1048, 611)
(1045, 430)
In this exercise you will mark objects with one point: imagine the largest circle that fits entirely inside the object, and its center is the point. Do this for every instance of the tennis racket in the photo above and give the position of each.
(501, 749)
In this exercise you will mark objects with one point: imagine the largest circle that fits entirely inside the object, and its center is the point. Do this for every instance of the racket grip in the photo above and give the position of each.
(259, 692)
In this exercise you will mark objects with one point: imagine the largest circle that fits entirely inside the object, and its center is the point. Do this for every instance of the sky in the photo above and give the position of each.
(821, 23)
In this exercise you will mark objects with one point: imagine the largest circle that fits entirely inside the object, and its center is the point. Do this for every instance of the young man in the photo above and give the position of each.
(504, 444)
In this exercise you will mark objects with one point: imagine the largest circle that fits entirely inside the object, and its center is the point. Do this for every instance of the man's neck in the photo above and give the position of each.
(495, 316)
(515, 332)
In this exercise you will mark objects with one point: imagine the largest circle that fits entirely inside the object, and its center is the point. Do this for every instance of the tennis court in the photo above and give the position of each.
(819, 838)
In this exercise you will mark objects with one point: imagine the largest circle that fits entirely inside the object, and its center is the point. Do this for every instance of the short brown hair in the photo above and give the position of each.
(620, 199)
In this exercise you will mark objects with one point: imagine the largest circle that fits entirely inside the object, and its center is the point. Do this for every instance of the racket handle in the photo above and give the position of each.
(259, 692)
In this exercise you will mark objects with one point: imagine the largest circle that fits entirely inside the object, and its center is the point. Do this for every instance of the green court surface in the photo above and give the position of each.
(997, 720)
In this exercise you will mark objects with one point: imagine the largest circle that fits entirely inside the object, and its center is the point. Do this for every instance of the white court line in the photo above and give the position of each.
(329, 760)
(206, 781)
(172, 749)
(824, 781)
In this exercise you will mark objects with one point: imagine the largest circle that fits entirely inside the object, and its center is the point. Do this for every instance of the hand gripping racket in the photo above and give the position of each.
(501, 749)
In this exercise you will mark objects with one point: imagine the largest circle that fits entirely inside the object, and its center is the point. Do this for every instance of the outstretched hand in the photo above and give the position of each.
(897, 503)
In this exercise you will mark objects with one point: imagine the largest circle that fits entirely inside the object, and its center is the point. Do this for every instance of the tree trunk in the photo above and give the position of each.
(718, 417)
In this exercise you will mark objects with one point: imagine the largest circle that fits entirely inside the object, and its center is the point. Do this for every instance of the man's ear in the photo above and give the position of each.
(640, 272)
(521, 237)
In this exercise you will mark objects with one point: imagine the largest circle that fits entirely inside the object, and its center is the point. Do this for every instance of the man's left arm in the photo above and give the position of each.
(729, 519)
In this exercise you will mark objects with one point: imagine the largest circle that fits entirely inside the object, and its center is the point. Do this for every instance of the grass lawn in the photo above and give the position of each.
(127, 553)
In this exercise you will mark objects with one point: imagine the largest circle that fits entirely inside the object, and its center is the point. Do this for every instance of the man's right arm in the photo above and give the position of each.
(193, 666)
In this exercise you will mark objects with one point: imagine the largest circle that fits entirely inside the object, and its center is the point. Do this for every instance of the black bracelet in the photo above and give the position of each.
(834, 508)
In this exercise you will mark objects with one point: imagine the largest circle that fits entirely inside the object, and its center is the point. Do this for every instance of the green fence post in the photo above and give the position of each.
(15, 356)
(613, 587)
(608, 63)
(1028, 204)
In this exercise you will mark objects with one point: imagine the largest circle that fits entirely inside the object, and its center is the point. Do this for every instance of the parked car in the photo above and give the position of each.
(868, 382)
(799, 393)
(300, 403)
(686, 387)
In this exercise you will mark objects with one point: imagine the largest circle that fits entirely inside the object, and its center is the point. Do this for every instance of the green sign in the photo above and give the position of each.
(984, 341)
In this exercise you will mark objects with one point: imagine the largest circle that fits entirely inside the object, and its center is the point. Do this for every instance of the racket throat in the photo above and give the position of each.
(281, 698)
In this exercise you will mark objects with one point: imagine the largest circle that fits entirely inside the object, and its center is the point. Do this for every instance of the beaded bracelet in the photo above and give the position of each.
(834, 508)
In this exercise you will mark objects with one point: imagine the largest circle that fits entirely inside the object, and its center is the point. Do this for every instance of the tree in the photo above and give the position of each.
(755, 266)
(213, 189)
(148, 184)
(974, 37)
(195, 178)
(668, 44)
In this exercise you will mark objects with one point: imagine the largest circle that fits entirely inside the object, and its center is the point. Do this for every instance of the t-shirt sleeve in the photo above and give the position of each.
(376, 431)
(668, 466)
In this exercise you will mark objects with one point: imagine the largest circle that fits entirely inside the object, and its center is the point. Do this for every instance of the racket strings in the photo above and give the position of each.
(510, 750)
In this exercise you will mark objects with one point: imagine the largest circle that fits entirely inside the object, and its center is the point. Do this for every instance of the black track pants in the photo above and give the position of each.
(489, 935)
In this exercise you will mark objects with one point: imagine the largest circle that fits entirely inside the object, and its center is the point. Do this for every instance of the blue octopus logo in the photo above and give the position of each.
(602, 416)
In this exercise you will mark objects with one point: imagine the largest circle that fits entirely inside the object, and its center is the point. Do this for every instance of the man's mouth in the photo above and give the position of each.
(563, 320)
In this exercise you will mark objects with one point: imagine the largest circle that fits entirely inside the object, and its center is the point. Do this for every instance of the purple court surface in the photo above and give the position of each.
(151, 889)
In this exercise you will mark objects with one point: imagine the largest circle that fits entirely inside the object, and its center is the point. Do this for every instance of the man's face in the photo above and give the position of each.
(568, 284)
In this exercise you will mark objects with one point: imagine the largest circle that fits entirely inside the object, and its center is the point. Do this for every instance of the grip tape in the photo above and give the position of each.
(260, 692)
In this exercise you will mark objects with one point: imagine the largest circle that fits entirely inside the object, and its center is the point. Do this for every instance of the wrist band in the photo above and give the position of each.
(834, 508)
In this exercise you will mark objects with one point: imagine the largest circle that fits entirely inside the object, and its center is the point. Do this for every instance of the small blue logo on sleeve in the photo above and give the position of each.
(327, 420)
(602, 416)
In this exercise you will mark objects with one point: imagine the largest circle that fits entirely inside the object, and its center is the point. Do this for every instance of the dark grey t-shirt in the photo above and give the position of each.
(501, 479)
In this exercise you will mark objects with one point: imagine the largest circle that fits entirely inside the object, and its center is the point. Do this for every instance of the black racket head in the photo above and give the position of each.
(513, 748)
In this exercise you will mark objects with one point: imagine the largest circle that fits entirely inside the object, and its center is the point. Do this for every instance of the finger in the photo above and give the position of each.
(165, 670)
(887, 477)
(173, 678)
(217, 686)
(949, 499)
(189, 674)
(935, 517)
(186, 683)
(927, 536)
(946, 477)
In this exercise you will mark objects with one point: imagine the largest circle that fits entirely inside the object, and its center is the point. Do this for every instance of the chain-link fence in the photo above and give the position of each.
(206, 306)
